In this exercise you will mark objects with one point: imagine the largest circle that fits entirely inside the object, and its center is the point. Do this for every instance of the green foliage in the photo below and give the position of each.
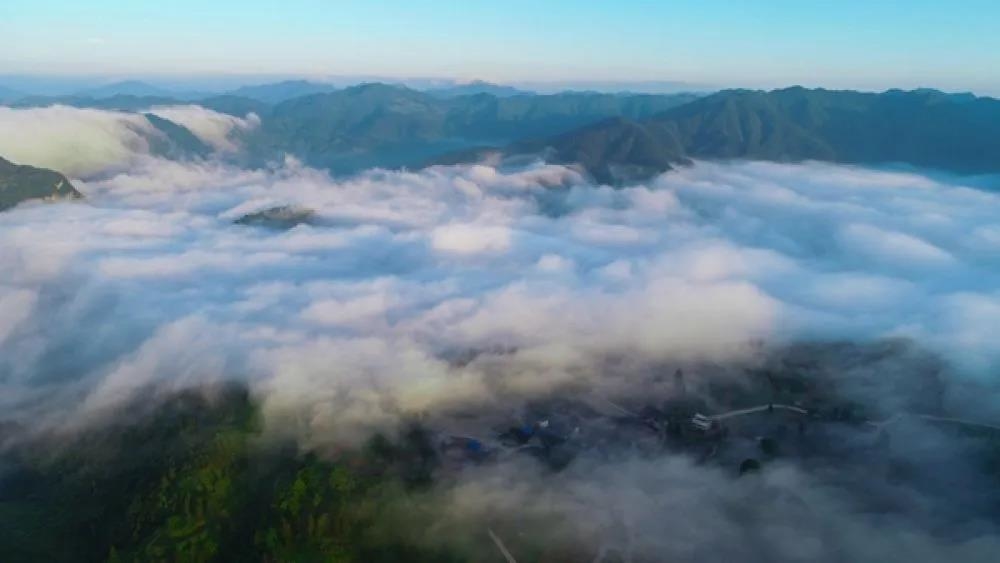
(193, 482)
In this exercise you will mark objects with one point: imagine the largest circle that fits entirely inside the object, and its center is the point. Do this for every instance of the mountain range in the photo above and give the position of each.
(623, 137)
(927, 128)
(393, 126)
(280, 91)
(478, 87)
(615, 137)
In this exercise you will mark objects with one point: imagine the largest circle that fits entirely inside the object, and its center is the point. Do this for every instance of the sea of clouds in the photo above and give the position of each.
(90, 142)
(452, 287)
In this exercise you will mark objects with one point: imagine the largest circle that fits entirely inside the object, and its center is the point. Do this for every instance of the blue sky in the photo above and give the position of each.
(869, 44)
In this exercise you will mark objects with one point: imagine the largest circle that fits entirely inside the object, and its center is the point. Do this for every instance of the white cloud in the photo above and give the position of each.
(892, 247)
(348, 311)
(76, 142)
(449, 262)
(16, 306)
(84, 143)
(215, 129)
(555, 264)
(458, 289)
(471, 239)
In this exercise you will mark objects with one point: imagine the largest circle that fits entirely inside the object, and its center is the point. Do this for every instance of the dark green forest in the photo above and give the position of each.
(192, 481)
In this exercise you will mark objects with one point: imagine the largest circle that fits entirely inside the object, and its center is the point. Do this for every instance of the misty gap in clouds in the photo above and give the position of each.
(462, 288)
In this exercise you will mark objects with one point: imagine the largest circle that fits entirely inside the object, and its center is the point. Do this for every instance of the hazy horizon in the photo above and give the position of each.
(713, 45)
(62, 85)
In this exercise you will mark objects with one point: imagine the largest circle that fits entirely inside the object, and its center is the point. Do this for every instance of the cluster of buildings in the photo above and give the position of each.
(557, 431)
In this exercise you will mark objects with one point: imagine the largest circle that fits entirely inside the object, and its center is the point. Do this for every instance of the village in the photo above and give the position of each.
(741, 440)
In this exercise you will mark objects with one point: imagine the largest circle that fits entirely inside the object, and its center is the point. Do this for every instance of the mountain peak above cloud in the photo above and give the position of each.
(20, 183)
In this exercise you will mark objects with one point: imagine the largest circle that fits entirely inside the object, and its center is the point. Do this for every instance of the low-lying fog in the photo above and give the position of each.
(455, 288)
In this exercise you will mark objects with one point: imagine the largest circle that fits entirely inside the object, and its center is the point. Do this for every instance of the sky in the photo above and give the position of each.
(865, 44)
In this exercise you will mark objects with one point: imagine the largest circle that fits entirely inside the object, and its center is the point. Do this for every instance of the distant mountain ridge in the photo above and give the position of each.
(124, 88)
(277, 92)
(478, 87)
(379, 125)
(121, 102)
(956, 132)
(615, 137)
(394, 126)
(137, 88)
